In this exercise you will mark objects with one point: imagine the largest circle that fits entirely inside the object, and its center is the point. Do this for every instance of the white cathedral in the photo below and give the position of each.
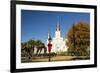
(58, 43)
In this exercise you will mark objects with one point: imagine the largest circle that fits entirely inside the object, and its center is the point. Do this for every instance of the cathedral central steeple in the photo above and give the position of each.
(58, 25)
(57, 33)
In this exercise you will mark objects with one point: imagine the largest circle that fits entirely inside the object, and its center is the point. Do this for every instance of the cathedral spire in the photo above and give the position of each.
(49, 36)
(57, 33)
(58, 25)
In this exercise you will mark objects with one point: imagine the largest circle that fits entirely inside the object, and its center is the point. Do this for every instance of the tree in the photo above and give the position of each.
(79, 39)
(40, 46)
(27, 48)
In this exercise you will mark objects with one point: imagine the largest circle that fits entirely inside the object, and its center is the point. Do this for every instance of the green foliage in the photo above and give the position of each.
(63, 53)
(39, 43)
(27, 48)
(79, 39)
(32, 43)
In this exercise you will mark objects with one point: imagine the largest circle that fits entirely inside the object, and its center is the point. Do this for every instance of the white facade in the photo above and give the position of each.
(58, 43)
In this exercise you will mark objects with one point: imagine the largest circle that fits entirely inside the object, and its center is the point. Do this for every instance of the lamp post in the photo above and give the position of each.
(49, 47)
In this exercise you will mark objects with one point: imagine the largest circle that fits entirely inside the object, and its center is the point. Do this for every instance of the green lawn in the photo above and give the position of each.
(57, 58)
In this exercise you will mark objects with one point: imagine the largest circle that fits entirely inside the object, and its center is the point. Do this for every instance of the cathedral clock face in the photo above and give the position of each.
(57, 47)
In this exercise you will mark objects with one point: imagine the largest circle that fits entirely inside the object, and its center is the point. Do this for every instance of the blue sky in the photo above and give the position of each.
(36, 24)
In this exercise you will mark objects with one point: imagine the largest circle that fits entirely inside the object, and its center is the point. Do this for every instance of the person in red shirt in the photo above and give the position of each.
(49, 47)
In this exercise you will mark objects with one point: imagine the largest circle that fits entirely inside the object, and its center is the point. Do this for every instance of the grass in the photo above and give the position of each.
(57, 58)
